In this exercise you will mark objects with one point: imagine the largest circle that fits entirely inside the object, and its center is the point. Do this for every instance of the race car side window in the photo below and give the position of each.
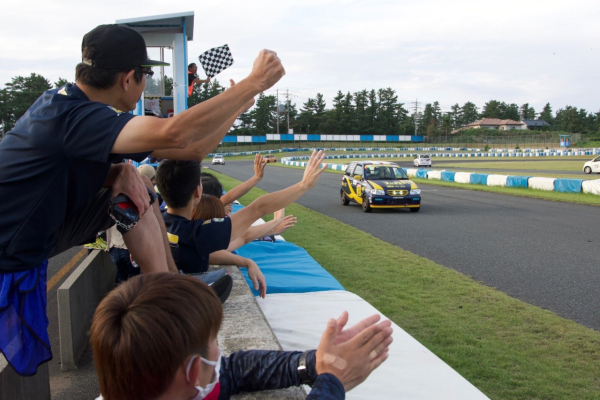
(358, 170)
(350, 168)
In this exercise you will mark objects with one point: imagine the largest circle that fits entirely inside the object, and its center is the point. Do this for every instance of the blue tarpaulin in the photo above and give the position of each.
(287, 268)
(422, 173)
(568, 185)
(448, 176)
(479, 179)
(517, 181)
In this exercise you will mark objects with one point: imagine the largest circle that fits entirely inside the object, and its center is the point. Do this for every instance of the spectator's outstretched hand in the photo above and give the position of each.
(313, 169)
(353, 354)
(258, 279)
(129, 182)
(288, 222)
(267, 70)
(259, 166)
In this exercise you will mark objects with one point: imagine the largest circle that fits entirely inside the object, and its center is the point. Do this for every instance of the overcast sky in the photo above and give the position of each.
(449, 51)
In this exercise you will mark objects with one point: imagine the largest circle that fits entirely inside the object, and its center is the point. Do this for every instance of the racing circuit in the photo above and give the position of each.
(541, 252)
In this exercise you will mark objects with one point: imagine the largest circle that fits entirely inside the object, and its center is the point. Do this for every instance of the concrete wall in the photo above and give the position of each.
(78, 298)
(14, 386)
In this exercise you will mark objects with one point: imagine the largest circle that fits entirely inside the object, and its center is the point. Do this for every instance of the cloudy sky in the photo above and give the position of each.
(449, 51)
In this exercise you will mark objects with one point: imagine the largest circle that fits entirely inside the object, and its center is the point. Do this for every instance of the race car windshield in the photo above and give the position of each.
(384, 173)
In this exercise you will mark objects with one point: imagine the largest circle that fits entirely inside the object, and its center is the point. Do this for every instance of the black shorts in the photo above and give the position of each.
(82, 226)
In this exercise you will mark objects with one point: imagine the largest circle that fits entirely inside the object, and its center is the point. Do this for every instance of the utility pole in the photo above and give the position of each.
(277, 107)
(287, 109)
(416, 114)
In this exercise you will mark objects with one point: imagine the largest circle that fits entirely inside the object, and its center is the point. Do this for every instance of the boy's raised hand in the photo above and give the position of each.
(313, 169)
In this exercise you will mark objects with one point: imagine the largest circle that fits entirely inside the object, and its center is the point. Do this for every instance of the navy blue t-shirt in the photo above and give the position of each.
(196, 240)
(55, 159)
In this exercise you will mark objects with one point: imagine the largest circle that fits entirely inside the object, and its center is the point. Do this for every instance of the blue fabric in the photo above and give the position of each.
(55, 159)
(568, 185)
(479, 179)
(448, 176)
(287, 268)
(422, 173)
(24, 325)
(259, 139)
(517, 181)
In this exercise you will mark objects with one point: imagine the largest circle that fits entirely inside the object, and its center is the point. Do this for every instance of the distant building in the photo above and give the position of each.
(535, 124)
(494, 123)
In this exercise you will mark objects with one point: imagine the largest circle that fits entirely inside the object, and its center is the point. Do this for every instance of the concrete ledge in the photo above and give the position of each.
(78, 298)
(14, 386)
(246, 328)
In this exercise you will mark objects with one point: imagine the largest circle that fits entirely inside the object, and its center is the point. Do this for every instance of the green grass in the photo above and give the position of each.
(575, 198)
(506, 348)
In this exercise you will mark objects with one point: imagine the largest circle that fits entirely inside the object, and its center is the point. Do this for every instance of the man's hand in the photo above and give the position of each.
(129, 182)
(288, 222)
(266, 71)
(313, 170)
(259, 166)
(353, 354)
(257, 278)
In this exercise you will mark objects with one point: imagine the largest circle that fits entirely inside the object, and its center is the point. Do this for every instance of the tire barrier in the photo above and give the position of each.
(497, 180)
(447, 176)
(479, 179)
(434, 175)
(517, 181)
(462, 177)
(568, 185)
(541, 183)
(591, 187)
(422, 173)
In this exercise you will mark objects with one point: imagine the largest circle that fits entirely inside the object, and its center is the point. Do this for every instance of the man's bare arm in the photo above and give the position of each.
(149, 134)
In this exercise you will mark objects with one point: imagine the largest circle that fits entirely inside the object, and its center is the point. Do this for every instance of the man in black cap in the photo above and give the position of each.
(61, 163)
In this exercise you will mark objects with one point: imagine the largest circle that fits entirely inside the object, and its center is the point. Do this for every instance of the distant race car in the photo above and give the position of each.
(218, 159)
(422, 160)
(376, 184)
(592, 166)
(269, 158)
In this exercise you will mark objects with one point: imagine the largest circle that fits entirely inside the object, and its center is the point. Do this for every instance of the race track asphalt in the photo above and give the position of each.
(544, 253)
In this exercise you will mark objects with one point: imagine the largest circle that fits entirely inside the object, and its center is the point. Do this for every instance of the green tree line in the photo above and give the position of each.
(367, 112)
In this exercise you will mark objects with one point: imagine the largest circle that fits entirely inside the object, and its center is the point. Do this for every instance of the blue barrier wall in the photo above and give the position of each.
(287, 268)
(517, 181)
(422, 173)
(568, 185)
(448, 176)
(479, 179)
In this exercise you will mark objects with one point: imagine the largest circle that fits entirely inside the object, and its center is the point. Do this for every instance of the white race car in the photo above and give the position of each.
(422, 160)
(592, 166)
(218, 159)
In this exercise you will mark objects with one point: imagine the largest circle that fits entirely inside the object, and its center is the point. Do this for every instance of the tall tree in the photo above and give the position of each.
(60, 83)
(470, 113)
(19, 95)
(457, 116)
(527, 112)
(546, 114)
(264, 114)
(491, 109)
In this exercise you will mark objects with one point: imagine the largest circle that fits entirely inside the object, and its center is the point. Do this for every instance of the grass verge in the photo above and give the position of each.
(574, 198)
(506, 348)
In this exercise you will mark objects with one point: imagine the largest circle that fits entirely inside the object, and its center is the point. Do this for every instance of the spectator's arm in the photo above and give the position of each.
(241, 220)
(223, 257)
(277, 226)
(243, 188)
(201, 121)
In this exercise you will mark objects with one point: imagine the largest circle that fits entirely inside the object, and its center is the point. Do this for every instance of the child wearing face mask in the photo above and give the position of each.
(148, 345)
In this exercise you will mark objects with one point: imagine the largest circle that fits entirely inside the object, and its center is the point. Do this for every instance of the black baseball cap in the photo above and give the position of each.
(116, 47)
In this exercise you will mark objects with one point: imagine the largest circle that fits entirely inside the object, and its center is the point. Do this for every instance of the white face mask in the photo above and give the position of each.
(204, 391)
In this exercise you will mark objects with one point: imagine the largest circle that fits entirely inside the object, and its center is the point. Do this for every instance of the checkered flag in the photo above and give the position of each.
(216, 60)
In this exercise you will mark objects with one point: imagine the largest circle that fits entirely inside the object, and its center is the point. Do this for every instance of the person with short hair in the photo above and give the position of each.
(61, 163)
(193, 78)
(155, 337)
(180, 184)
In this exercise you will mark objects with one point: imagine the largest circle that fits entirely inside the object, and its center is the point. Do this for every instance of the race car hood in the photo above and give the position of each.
(392, 185)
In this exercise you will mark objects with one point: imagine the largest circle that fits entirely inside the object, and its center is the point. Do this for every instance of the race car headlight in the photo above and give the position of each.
(375, 192)
(415, 191)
